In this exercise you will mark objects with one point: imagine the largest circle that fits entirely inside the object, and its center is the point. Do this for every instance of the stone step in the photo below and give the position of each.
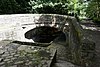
(61, 63)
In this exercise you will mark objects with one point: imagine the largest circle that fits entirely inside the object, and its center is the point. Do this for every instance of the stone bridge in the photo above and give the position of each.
(76, 39)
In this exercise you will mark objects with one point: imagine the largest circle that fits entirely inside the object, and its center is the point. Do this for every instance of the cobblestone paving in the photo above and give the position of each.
(16, 55)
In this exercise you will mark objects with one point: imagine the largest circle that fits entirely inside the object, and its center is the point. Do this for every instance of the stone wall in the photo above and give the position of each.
(21, 23)
(64, 23)
(82, 49)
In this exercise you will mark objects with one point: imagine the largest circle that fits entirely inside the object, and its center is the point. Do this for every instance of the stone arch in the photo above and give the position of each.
(77, 39)
(52, 20)
(55, 22)
(43, 34)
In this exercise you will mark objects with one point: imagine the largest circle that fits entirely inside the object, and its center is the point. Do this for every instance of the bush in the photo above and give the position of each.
(93, 11)
(12, 7)
(48, 7)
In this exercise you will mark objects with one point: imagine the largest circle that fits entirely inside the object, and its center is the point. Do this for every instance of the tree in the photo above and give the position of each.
(76, 7)
(93, 10)
(48, 6)
(12, 7)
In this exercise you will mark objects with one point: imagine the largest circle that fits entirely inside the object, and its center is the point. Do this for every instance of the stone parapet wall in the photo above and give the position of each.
(37, 19)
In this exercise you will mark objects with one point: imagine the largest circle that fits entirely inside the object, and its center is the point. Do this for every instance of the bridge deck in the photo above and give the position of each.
(17, 55)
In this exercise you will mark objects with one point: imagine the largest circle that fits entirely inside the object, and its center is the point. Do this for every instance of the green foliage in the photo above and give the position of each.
(12, 7)
(66, 7)
(76, 7)
(56, 7)
(71, 7)
(93, 10)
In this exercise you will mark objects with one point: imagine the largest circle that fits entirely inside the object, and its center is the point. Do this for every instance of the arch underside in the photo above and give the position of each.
(55, 23)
